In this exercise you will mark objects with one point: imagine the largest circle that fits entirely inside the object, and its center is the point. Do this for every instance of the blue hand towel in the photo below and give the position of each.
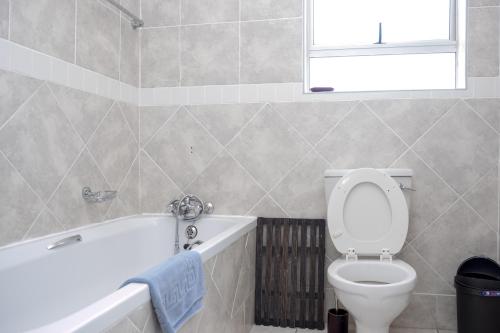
(177, 288)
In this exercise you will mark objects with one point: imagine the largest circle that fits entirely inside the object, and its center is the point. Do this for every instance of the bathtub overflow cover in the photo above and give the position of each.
(191, 232)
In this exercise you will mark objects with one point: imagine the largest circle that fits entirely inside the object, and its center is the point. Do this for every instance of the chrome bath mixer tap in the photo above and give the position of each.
(188, 208)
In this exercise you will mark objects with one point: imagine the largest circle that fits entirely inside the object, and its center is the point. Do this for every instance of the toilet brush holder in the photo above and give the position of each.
(338, 321)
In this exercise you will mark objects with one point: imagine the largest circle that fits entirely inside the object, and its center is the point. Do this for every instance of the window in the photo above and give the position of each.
(374, 45)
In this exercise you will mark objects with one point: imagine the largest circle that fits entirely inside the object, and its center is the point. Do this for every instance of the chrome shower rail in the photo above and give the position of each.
(134, 20)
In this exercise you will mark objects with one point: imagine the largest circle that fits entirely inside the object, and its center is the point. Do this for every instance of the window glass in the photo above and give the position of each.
(356, 22)
(384, 72)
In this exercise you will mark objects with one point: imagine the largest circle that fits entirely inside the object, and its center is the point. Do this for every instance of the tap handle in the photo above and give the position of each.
(172, 206)
(208, 207)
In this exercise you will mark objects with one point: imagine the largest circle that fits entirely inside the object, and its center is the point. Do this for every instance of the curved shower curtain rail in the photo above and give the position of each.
(134, 20)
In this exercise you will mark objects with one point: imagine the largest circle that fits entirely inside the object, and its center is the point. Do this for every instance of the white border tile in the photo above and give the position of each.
(29, 62)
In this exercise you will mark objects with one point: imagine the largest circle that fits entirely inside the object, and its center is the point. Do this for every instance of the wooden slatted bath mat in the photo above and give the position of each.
(289, 273)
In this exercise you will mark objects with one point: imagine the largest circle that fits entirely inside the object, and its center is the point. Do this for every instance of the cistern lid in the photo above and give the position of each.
(367, 214)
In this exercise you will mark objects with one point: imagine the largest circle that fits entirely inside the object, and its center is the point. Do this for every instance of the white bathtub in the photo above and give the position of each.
(75, 288)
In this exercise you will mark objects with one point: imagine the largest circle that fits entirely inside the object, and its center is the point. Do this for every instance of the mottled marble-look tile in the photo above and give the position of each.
(209, 54)
(267, 207)
(456, 236)
(128, 193)
(209, 11)
(269, 9)
(275, 59)
(131, 114)
(483, 197)
(268, 148)
(237, 322)
(214, 316)
(410, 118)
(160, 57)
(232, 191)
(40, 142)
(140, 315)
(302, 192)
(226, 272)
(488, 109)
(4, 18)
(67, 203)
(432, 198)
(482, 42)
(129, 53)
(84, 110)
(314, 120)
(481, 3)
(19, 206)
(98, 38)
(157, 13)
(420, 313)
(152, 118)
(45, 25)
(460, 147)
(183, 148)
(44, 225)
(249, 313)
(446, 312)
(361, 140)
(224, 121)
(113, 146)
(156, 189)
(123, 326)
(428, 281)
(14, 91)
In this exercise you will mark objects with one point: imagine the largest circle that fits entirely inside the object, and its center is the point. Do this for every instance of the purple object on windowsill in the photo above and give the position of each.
(321, 89)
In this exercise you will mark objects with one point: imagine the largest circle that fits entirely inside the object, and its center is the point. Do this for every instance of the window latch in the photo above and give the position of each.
(379, 34)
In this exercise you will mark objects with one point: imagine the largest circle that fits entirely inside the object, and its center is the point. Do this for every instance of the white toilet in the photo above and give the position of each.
(368, 217)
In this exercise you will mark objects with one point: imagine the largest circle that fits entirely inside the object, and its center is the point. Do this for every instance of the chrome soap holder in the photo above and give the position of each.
(95, 197)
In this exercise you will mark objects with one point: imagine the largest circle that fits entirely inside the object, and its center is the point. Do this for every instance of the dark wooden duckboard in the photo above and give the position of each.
(289, 273)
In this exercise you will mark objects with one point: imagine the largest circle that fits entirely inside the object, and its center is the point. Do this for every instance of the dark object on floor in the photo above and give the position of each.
(478, 296)
(338, 321)
(289, 273)
(321, 89)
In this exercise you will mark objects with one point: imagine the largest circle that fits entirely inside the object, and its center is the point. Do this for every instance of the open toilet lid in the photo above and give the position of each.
(367, 212)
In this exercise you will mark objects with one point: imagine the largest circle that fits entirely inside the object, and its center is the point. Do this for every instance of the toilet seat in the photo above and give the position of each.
(380, 227)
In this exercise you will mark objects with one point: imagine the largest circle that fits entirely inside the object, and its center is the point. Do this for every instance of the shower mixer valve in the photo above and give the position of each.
(190, 207)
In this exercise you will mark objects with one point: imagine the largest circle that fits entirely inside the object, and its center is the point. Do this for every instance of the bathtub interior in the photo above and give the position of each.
(48, 286)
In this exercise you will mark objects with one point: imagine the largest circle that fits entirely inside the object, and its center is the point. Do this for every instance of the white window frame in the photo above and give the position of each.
(456, 44)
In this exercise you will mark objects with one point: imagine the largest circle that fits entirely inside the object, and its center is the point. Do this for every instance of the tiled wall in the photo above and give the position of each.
(248, 156)
(223, 42)
(269, 159)
(87, 33)
(227, 42)
(228, 304)
(53, 141)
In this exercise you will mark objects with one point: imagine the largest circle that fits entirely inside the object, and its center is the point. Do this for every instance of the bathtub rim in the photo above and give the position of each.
(101, 315)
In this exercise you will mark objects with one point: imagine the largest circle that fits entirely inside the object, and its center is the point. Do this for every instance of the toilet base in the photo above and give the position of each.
(360, 328)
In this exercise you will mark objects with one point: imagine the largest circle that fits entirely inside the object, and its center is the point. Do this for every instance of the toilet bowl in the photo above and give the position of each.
(368, 216)
(374, 292)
